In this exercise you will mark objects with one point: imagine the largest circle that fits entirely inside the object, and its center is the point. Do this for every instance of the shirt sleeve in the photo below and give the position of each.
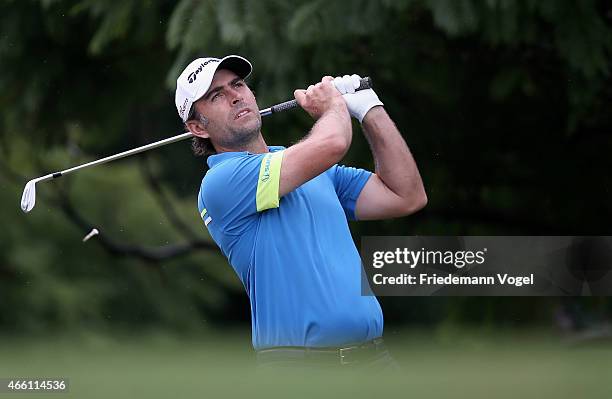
(233, 192)
(349, 182)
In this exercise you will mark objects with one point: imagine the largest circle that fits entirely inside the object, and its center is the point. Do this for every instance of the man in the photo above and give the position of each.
(280, 214)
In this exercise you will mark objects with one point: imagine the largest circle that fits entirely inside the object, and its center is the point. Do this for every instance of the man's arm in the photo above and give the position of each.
(327, 142)
(395, 189)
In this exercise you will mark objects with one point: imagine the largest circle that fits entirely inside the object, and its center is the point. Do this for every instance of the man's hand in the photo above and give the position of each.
(358, 103)
(320, 98)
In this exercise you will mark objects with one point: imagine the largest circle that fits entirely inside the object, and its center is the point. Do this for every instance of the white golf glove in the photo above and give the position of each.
(357, 102)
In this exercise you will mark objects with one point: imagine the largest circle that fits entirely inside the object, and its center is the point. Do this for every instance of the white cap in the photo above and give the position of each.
(195, 80)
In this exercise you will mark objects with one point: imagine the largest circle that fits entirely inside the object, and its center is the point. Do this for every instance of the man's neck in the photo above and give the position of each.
(257, 146)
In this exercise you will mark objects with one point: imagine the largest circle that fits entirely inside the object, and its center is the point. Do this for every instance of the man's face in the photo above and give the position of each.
(231, 111)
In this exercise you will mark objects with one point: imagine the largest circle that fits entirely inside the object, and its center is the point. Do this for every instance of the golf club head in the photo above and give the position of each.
(28, 199)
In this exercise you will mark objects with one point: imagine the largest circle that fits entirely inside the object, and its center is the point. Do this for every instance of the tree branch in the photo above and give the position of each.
(148, 254)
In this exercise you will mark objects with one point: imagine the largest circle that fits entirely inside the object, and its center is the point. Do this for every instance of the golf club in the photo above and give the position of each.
(28, 199)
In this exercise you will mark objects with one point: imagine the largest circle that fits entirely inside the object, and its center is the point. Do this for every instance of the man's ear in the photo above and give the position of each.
(197, 128)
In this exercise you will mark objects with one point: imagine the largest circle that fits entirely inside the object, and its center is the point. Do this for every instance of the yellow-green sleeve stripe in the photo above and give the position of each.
(269, 179)
(203, 213)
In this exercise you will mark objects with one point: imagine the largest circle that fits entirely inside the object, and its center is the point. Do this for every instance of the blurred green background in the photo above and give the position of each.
(506, 106)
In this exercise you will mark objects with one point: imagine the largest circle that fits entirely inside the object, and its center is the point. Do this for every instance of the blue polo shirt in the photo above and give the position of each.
(294, 255)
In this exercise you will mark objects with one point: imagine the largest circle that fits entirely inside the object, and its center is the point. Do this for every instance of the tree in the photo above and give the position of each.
(503, 103)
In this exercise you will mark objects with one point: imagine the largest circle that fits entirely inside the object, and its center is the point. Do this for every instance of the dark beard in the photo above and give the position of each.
(241, 137)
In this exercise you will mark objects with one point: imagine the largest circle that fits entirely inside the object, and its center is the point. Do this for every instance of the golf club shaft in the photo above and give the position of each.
(365, 83)
(127, 153)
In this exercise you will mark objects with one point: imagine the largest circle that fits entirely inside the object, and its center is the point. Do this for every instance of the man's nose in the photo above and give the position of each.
(235, 96)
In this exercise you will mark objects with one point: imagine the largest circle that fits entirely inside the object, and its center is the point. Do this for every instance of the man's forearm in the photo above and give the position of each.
(326, 144)
(333, 126)
(393, 161)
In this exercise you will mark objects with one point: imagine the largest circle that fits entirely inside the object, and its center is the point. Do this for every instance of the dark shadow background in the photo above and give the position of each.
(504, 104)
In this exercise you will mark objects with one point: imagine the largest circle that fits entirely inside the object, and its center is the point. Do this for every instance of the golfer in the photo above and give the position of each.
(280, 215)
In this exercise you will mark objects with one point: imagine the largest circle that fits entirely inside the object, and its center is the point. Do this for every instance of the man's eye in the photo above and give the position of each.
(215, 96)
(239, 84)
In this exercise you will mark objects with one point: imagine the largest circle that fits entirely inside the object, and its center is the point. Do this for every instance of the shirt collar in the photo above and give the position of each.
(218, 158)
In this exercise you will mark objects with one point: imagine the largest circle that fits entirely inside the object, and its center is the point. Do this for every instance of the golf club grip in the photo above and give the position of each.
(364, 83)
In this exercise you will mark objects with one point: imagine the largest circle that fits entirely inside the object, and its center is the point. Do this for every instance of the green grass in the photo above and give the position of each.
(442, 364)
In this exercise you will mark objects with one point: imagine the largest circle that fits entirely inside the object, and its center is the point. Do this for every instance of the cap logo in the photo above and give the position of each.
(183, 107)
(193, 75)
